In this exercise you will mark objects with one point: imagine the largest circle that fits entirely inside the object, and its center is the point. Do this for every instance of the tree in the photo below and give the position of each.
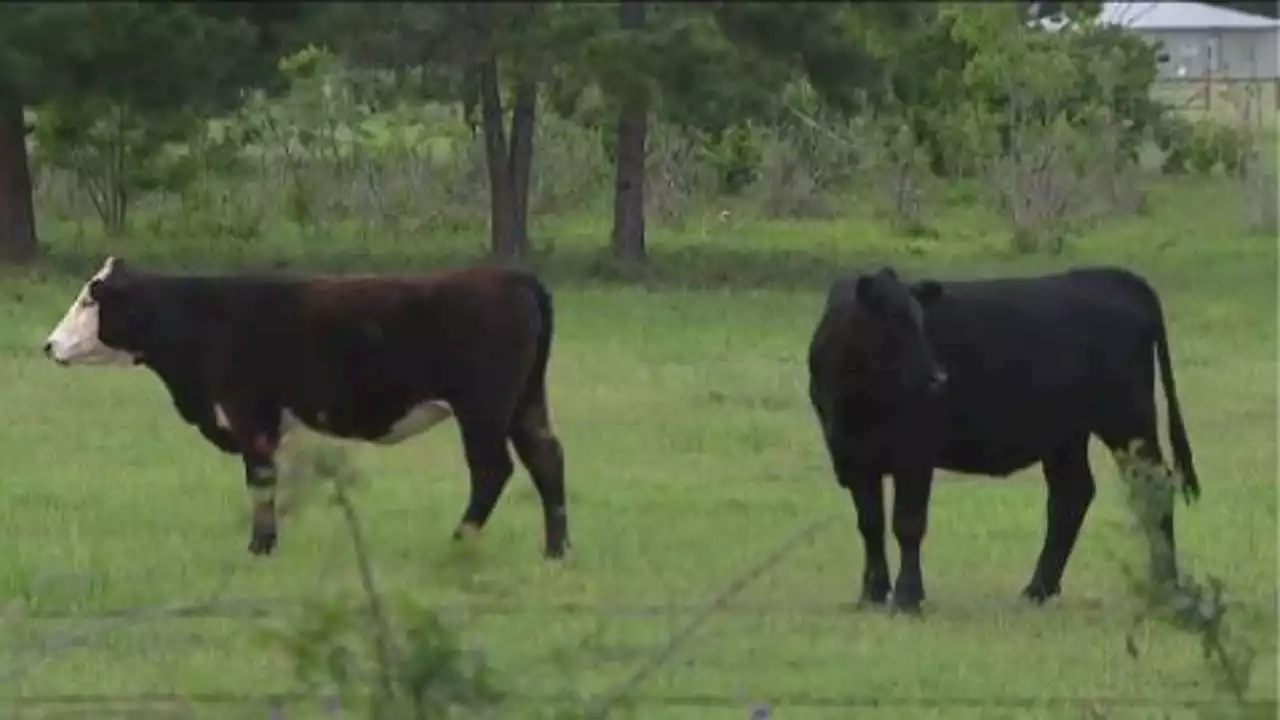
(633, 127)
(124, 74)
(17, 212)
(491, 59)
(670, 61)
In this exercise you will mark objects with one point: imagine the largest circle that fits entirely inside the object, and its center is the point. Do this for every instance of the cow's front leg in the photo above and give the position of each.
(257, 434)
(866, 487)
(260, 480)
(868, 500)
(911, 489)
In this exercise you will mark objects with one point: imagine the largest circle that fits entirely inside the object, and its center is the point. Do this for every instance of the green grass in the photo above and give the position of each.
(692, 453)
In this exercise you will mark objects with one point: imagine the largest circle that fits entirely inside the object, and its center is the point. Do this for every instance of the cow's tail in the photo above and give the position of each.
(1177, 429)
(534, 392)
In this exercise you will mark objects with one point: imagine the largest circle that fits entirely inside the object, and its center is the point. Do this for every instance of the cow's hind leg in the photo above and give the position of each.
(1159, 501)
(1071, 489)
(1133, 419)
(484, 443)
(540, 452)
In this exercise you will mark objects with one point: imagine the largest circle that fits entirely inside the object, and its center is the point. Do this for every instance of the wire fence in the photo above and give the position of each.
(88, 628)
(271, 701)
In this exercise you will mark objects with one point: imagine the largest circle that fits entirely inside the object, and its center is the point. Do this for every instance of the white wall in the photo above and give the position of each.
(1238, 54)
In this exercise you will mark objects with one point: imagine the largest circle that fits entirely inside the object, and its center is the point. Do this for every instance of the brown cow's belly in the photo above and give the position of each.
(382, 428)
(385, 428)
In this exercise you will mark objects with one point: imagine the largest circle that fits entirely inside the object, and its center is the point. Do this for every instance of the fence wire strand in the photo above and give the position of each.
(219, 607)
(689, 700)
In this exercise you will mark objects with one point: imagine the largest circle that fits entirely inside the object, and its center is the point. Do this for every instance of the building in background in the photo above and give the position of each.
(1201, 41)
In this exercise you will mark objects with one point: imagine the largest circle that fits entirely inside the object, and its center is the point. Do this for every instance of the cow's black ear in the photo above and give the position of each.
(927, 292)
(863, 289)
(112, 288)
(100, 290)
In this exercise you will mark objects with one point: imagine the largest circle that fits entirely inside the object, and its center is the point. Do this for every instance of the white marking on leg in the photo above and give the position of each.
(262, 495)
(418, 420)
(74, 341)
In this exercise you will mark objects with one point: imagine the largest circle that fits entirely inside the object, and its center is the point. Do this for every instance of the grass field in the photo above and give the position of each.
(692, 454)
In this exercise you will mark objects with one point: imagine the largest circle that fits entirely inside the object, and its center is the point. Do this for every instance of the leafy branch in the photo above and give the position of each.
(1190, 605)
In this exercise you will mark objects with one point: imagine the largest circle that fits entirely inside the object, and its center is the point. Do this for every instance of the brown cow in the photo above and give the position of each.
(370, 358)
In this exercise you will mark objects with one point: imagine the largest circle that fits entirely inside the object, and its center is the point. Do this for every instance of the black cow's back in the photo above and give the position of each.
(1035, 362)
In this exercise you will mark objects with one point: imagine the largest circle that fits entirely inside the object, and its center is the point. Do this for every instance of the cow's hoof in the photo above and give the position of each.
(907, 600)
(871, 604)
(873, 598)
(262, 542)
(908, 607)
(1039, 593)
(556, 546)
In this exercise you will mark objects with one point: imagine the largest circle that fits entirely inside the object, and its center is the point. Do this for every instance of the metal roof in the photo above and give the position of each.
(1176, 16)
(1182, 16)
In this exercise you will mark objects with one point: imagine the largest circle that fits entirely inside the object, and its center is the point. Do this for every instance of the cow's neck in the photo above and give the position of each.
(183, 378)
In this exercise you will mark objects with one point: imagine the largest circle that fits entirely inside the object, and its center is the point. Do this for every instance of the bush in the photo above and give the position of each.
(787, 185)
(1192, 606)
(1173, 135)
(735, 156)
(414, 667)
(1202, 145)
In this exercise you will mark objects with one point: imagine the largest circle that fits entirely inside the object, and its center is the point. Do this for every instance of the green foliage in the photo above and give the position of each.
(760, 97)
(1050, 119)
(736, 157)
(114, 83)
(433, 51)
(1192, 606)
(1173, 136)
(1202, 145)
(413, 667)
(329, 645)
(960, 55)
(354, 125)
(115, 154)
(829, 44)
(155, 59)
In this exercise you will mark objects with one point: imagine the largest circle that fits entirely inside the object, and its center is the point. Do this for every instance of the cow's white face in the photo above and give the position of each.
(75, 340)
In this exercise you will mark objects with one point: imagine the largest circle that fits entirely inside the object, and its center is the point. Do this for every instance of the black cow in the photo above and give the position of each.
(988, 377)
(377, 359)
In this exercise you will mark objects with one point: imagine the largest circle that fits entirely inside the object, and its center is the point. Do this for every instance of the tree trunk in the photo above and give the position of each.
(502, 211)
(17, 209)
(523, 115)
(633, 127)
(509, 172)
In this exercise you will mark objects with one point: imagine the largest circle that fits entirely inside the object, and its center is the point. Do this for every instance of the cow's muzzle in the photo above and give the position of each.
(48, 352)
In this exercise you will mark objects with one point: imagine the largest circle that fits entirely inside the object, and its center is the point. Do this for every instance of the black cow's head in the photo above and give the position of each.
(890, 315)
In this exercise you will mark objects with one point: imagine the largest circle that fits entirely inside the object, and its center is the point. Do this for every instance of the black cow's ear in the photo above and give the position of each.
(863, 289)
(927, 292)
(111, 288)
(98, 290)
